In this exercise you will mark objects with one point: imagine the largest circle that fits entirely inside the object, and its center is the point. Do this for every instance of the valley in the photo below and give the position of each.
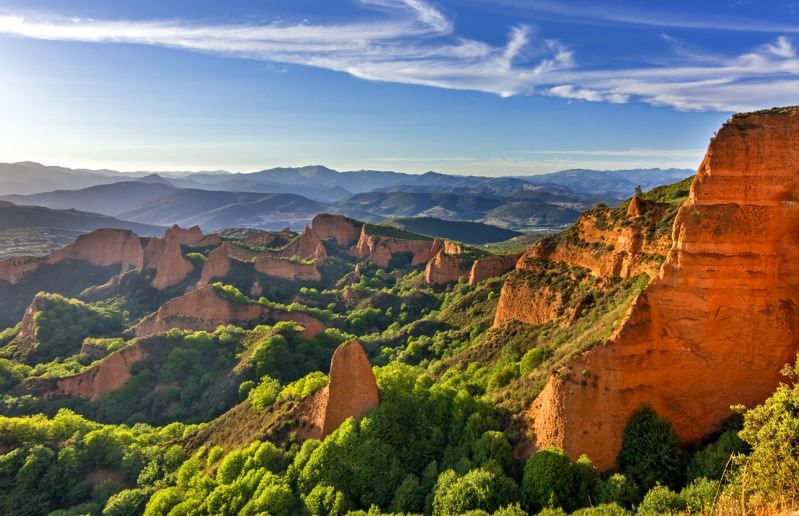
(423, 345)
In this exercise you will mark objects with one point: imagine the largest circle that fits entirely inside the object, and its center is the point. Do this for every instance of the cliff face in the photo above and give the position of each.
(103, 247)
(191, 236)
(529, 303)
(444, 268)
(287, 269)
(344, 230)
(491, 266)
(351, 391)
(380, 249)
(306, 246)
(217, 265)
(171, 267)
(200, 309)
(719, 321)
(109, 375)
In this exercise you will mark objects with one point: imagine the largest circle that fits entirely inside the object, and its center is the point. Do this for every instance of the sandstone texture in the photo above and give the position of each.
(287, 269)
(444, 268)
(344, 230)
(380, 249)
(526, 303)
(112, 373)
(351, 391)
(200, 309)
(718, 322)
(307, 246)
(190, 237)
(216, 266)
(172, 267)
(491, 266)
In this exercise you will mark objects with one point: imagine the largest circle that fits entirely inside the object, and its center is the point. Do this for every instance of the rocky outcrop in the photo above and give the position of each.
(444, 268)
(209, 241)
(344, 230)
(112, 373)
(351, 391)
(526, 302)
(380, 249)
(171, 266)
(718, 323)
(311, 326)
(103, 248)
(491, 266)
(216, 266)
(27, 329)
(287, 269)
(307, 246)
(201, 309)
(189, 237)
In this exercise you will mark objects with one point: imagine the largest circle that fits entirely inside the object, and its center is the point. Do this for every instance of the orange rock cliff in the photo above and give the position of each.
(717, 323)
(344, 230)
(350, 392)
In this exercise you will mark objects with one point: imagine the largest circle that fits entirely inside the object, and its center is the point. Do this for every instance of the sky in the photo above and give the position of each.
(488, 87)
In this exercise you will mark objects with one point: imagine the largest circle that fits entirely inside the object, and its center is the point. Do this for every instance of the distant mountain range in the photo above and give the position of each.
(281, 197)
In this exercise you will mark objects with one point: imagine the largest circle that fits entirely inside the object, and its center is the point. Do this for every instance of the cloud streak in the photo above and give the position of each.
(413, 42)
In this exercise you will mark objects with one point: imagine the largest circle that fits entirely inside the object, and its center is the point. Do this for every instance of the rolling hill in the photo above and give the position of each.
(475, 233)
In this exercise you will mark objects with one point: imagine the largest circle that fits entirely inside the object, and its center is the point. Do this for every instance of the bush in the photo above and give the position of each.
(534, 358)
(325, 500)
(650, 451)
(304, 387)
(710, 461)
(584, 477)
(700, 494)
(617, 489)
(661, 500)
(479, 489)
(128, 502)
(606, 509)
(547, 478)
(265, 395)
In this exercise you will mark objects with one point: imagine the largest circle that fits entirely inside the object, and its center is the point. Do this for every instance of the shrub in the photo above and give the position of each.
(547, 478)
(661, 500)
(700, 494)
(534, 358)
(710, 461)
(650, 451)
(616, 489)
(606, 509)
(245, 388)
(265, 395)
(584, 477)
(325, 500)
(479, 489)
(304, 387)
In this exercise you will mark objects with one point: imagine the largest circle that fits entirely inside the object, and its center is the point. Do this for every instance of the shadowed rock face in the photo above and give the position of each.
(444, 268)
(718, 323)
(351, 391)
(491, 266)
(380, 249)
(171, 267)
(345, 231)
(191, 236)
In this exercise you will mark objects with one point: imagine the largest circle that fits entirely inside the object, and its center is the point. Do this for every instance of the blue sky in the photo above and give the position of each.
(492, 87)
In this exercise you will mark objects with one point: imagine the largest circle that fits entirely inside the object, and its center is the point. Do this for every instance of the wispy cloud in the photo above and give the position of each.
(413, 42)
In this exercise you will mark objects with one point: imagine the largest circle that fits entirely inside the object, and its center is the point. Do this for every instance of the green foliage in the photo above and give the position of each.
(547, 478)
(232, 294)
(607, 509)
(245, 388)
(265, 395)
(700, 494)
(661, 500)
(534, 358)
(772, 431)
(61, 324)
(479, 489)
(617, 489)
(651, 451)
(324, 500)
(304, 387)
(713, 459)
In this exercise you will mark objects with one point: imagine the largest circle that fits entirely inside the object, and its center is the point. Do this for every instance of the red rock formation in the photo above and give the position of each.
(444, 268)
(491, 266)
(530, 304)
(190, 237)
(306, 246)
(200, 309)
(636, 207)
(171, 267)
(718, 323)
(14, 269)
(351, 391)
(216, 266)
(287, 269)
(312, 326)
(380, 249)
(107, 376)
(209, 241)
(27, 328)
(344, 230)
(104, 247)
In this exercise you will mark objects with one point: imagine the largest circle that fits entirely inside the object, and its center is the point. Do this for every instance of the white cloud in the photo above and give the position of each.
(413, 42)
